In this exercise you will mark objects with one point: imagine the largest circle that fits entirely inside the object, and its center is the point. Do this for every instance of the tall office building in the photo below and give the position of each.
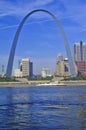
(80, 51)
(62, 67)
(27, 68)
(31, 70)
(80, 57)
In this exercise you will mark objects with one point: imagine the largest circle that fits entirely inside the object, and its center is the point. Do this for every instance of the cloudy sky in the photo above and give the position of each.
(40, 38)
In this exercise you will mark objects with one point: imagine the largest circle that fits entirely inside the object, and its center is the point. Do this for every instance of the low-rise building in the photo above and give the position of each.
(45, 72)
(17, 73)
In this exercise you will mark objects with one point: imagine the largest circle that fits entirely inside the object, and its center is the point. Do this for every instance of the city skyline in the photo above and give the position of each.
(40, 38)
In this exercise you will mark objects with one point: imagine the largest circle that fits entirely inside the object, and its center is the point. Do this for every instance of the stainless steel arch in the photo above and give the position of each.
(13, 48)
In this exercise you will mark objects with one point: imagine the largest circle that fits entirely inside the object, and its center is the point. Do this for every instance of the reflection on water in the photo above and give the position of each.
(43, 108)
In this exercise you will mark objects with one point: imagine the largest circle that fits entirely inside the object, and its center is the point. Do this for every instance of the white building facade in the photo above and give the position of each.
(25, 67)
(17, 73)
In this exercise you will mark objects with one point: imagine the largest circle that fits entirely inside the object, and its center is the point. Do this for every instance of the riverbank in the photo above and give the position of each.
(44, 83)
(73, 83)
(26, 84)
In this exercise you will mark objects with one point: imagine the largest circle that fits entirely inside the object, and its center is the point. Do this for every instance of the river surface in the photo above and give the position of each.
(43, 108)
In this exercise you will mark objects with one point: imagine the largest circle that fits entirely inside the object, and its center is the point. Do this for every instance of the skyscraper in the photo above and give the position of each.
(31, 70)
(80, 57)
(27, 68)
(80, 51)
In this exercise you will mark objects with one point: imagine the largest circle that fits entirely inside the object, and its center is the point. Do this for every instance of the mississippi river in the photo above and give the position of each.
(43, 108)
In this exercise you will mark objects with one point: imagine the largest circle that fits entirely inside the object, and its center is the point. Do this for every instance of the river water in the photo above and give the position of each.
(43, 108)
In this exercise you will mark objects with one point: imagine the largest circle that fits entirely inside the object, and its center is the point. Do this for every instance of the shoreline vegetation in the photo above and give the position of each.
(15, 82)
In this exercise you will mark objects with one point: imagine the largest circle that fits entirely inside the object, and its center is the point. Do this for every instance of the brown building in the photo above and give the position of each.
(80, 57)
(81, 67)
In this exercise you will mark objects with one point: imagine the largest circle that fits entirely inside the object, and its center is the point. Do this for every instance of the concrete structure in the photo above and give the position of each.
(25, 67)
(44, 73)
(12, 52)
(31, 70)
(62, 67)
(66, 68)
(18, 73)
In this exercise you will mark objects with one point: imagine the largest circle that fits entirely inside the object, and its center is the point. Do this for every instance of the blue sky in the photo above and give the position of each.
(40, 38)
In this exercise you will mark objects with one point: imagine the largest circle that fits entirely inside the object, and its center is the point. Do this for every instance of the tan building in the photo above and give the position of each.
(25, 67)
(62, 68)
(81, 67)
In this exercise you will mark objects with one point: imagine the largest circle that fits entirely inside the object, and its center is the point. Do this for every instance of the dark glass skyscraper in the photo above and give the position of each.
(31, 69)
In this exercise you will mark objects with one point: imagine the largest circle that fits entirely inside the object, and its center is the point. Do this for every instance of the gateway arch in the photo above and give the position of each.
(13, 48)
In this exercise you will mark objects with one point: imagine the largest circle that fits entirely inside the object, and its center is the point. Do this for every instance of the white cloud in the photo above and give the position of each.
(75, 11)
(8, 8)
(13, 26)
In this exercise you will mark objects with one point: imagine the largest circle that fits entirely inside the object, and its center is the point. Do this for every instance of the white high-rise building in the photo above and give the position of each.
(25, 67)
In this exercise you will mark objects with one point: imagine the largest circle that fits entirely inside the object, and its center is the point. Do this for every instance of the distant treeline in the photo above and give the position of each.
(5, 79)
